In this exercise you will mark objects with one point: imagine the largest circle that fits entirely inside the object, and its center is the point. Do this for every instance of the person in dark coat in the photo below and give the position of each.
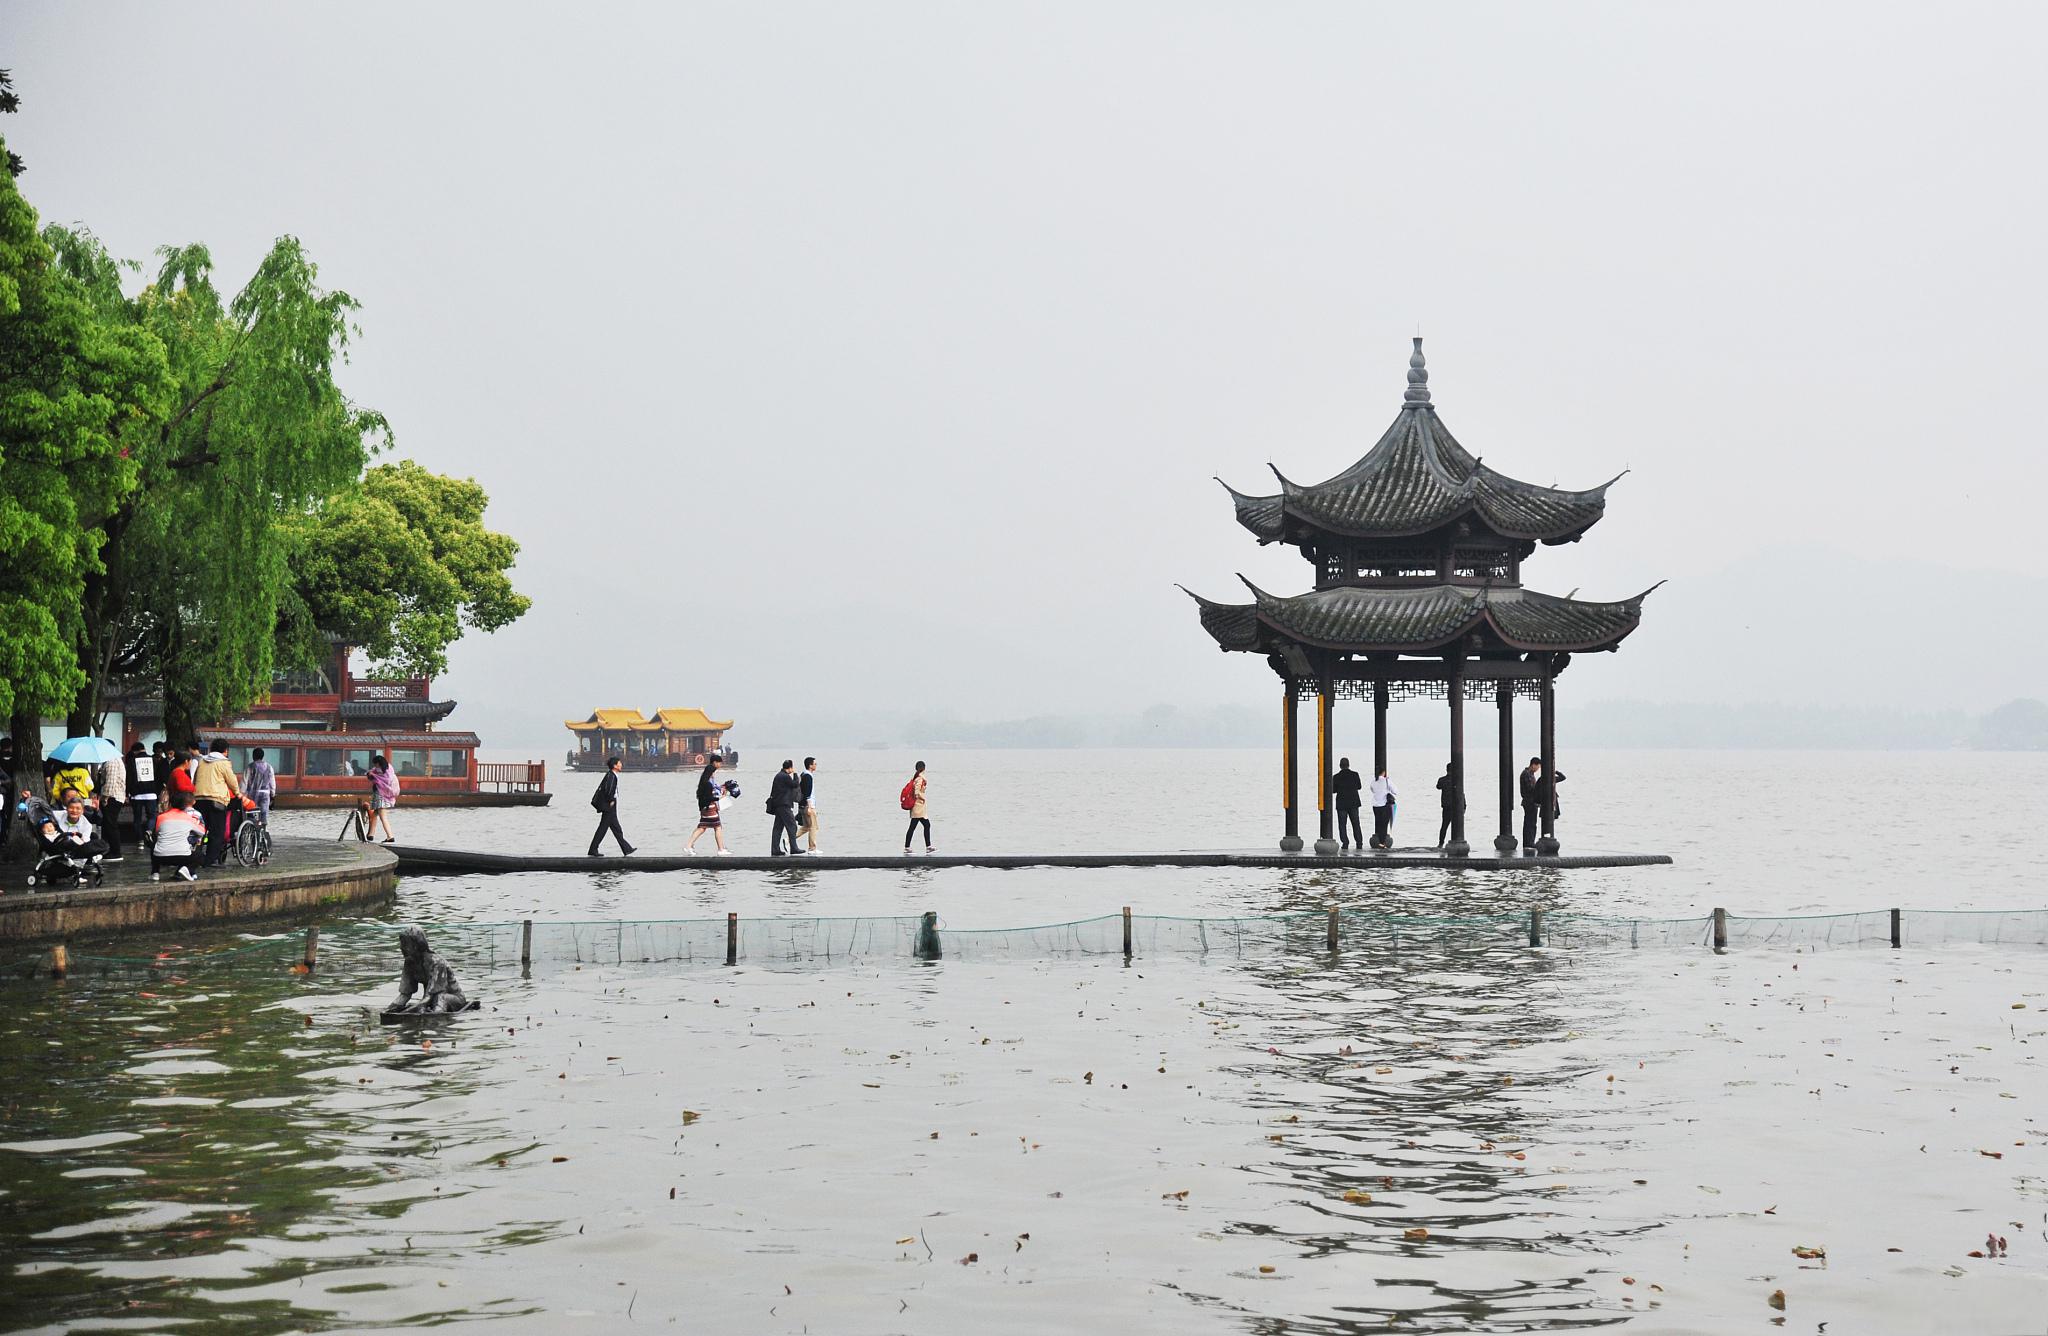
(1346, 785)
(783, 795)
(1532, 802)
(1452, 799)
(606, 801)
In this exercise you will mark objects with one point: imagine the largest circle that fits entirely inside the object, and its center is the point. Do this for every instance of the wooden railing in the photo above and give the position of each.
(513, 776)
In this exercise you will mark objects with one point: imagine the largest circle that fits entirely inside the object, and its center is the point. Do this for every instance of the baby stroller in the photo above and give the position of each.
(61, 863)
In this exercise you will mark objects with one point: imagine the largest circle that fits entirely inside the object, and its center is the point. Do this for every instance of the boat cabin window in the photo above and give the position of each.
(435, 763)
(284, 760)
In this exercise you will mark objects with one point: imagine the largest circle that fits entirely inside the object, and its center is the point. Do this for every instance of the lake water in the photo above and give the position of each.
(1442, 1132)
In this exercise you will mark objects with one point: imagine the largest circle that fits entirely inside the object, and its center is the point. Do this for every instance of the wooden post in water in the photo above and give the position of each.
(312, 947)
(1330, 932)
(928, 936)
(1897, 938)
(60, 961)
(732, 939)
(1720, 930)
(526, 943)
(1536, 926)
(1127, 932)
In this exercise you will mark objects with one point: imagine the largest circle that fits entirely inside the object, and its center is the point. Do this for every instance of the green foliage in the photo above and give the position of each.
(256, 432)
(76, 395)
(400, 565)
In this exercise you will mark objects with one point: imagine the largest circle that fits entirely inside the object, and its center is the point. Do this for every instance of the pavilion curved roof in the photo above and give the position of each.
(1417, 478)
(1418, 619)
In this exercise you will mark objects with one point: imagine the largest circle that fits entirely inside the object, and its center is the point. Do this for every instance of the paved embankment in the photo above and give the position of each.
(303, 875)
(414, 860)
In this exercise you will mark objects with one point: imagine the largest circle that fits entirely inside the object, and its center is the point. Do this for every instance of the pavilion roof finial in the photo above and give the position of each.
(1418, 379)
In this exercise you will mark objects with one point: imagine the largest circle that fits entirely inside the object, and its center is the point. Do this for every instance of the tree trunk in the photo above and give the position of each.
(27, 730)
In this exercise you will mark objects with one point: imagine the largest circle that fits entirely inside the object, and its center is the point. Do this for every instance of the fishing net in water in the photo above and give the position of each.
(371, 948)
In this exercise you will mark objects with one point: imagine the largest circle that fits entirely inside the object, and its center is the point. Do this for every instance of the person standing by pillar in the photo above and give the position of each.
(259, 781)
(807, 793)
(783, 795)
(1347, 785)
(1532, 801)
(1452, 799)
(1383, 796)
(606, 801)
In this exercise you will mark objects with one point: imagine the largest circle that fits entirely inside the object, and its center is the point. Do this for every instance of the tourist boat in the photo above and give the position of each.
(320, 729)
(664, 740)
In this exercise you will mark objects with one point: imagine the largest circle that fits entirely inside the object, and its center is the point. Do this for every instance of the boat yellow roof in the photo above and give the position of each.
(690, 721)
(661, 721)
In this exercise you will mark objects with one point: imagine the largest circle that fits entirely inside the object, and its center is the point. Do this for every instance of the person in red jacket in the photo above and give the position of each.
(179, 781)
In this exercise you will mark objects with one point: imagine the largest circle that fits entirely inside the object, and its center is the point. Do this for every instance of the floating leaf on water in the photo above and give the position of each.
(1808, 1254)
(1416, 1233)
(1182, 1195)
(1358, 1198)
(1992, 1154)
(561, 1159)
(911, 1239)
(970, 1259)
(1777, 1300)
(1267, 1270)
(690, 1116)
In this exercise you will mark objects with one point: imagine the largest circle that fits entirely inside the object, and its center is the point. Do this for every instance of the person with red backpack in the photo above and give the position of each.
(913, 803)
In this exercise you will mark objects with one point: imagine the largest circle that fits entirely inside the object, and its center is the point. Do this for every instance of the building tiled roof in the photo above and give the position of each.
(429, 710)
(1361, 621)
(1418, 478)
(612, 721)
(354, 740)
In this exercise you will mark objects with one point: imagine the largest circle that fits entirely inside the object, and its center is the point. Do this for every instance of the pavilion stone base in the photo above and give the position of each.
(1457, 849)
(1290, 844)
(1326, 846)
(1547, 846)
(1504, 844)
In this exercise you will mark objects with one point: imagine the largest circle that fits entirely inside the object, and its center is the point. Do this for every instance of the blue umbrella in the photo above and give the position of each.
(90, 751)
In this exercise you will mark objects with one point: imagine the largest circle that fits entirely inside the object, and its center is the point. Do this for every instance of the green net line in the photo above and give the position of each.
(788, 942)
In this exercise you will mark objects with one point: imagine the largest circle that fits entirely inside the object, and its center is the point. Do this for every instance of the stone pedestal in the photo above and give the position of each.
(1325, 847)
(1290, 844)
(1457, 849)
(1547, 846)
(1504, 844)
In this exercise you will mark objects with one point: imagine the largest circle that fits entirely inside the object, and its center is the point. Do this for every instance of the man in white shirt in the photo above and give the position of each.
(1383, 796)
(70, 832)
(807, 803)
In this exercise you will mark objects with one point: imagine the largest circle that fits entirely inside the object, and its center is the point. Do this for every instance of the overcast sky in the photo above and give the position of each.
(880, 356)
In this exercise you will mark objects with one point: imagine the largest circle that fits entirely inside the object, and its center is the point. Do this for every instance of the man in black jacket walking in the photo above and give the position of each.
(606, 801)
(783, 795)
(1532, 801)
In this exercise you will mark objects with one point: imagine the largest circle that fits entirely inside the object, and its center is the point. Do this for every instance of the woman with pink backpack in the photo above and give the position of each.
(913, 803)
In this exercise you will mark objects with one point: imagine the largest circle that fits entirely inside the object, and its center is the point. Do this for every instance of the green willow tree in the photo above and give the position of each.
(400, 565)
(77, 394)
(256, 432)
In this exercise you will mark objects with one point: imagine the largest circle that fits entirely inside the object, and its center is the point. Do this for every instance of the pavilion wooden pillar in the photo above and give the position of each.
(1547, 844)
(1290, 768)
(1326, 835)
(1455, 692)
(1504, 699)
(1379, 727)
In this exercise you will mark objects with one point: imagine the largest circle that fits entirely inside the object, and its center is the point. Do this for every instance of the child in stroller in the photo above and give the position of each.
(68, 845)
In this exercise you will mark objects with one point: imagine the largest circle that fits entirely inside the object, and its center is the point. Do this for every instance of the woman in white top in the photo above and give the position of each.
(1382, 810)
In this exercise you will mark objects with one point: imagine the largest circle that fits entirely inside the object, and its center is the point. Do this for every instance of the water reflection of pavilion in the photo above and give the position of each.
(671, 739)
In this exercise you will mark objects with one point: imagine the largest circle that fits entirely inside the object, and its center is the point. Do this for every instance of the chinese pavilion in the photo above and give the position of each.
(1418, 552)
